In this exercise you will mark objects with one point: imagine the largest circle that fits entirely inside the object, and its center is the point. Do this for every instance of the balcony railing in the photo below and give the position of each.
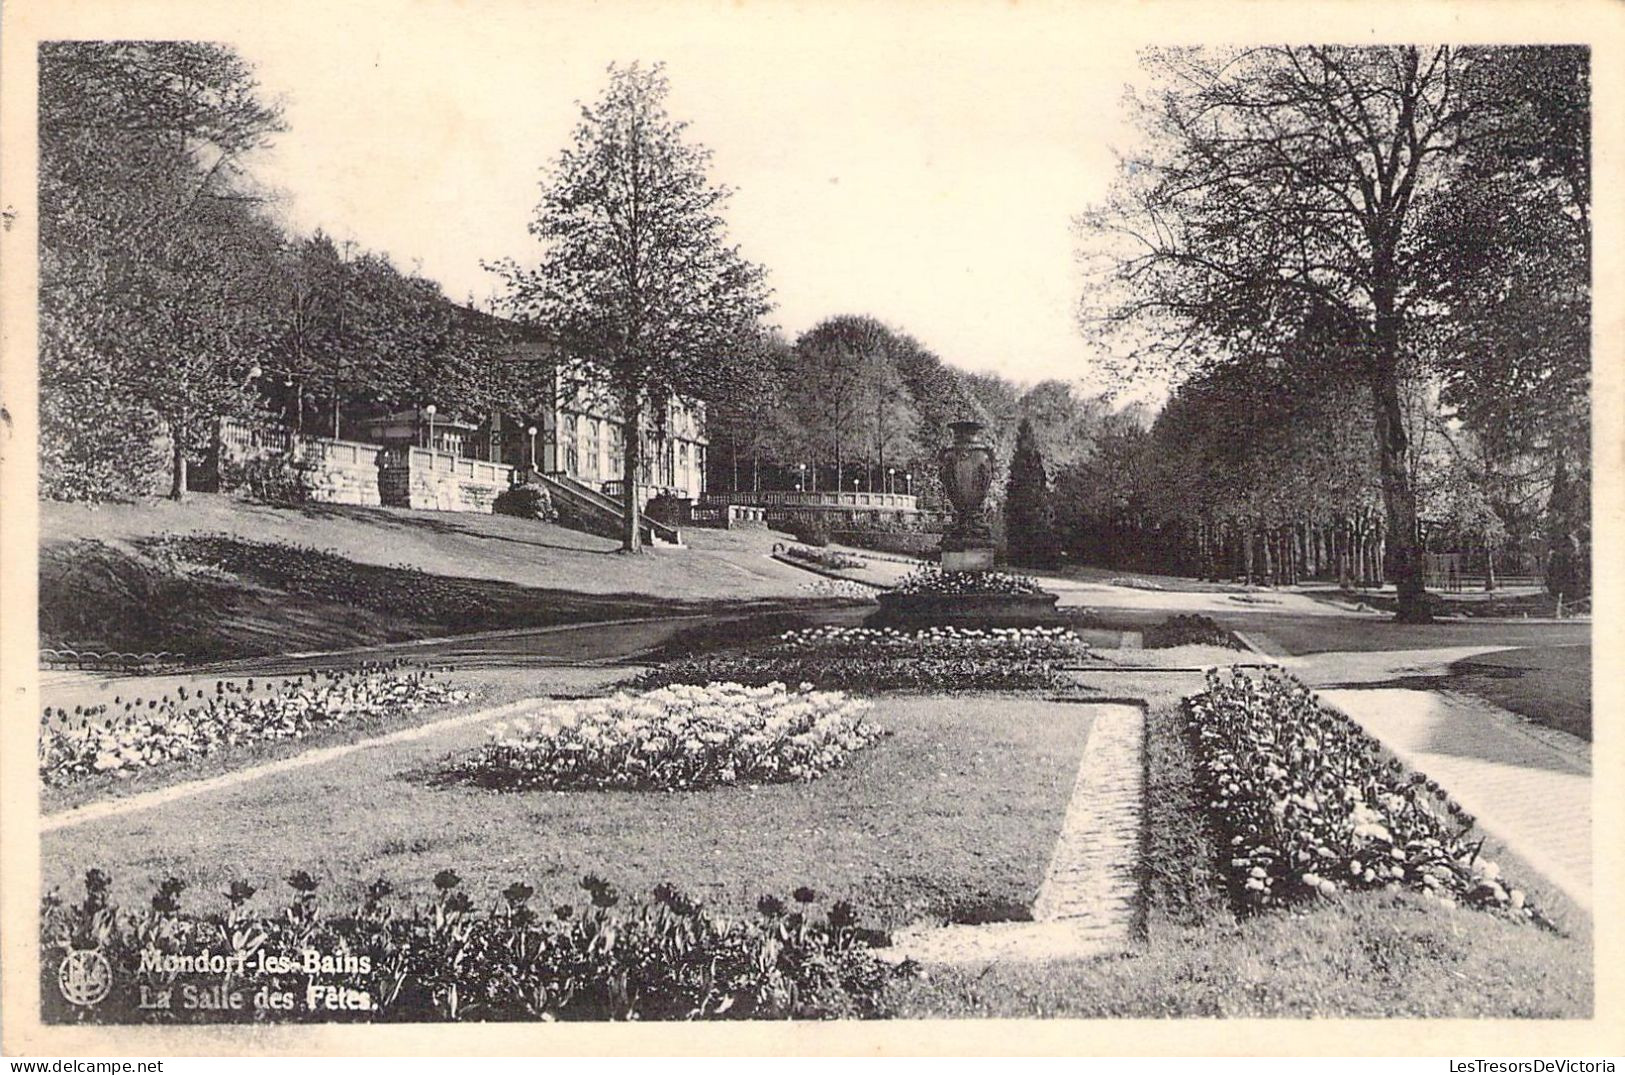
(813, 501)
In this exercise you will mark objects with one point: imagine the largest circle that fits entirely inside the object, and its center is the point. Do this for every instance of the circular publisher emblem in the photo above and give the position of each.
(84, 977)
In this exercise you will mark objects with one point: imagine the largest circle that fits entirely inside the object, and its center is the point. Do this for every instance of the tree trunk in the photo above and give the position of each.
(1403, 558)
(631, 532)
(1489, 567)
(177, 476)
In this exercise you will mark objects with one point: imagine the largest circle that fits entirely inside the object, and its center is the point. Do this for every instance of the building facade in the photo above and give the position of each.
(579, 433)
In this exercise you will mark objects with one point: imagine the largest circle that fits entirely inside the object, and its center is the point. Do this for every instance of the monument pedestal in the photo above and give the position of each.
(974, 558)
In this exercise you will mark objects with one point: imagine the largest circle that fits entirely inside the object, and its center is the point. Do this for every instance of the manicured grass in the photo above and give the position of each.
(1548, 684)
(137, 577)
(951, 816)
(1283, 634)
(1374, 956)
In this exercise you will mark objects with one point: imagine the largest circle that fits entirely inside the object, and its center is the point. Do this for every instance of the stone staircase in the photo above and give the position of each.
(585, 508)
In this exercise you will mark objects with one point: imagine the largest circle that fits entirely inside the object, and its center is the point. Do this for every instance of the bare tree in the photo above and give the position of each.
(1284, 187)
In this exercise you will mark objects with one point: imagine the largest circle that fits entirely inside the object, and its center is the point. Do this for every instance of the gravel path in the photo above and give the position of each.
(1090, 897)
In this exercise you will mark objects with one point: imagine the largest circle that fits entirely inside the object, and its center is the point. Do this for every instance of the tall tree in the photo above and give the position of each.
(152, 256)
(836, 385)
(1286, 186)
(1029, 518)
(638, 278)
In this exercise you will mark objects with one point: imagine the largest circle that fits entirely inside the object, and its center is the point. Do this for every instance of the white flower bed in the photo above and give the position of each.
(148, 732)
(1310, 805)
(676, 737)
(827, 587)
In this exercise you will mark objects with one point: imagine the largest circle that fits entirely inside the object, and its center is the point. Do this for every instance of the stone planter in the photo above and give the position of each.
(966, 610)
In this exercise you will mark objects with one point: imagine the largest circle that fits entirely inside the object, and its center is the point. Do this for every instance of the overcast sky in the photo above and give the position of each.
(918, 164)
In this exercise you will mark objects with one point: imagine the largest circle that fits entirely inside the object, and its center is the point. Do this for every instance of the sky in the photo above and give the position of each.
(919, 164)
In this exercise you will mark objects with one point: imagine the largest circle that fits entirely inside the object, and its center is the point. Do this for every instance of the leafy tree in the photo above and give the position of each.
(1029, 519)
(152, 257)
(1284, 187)
(637, 278)
(836, 385)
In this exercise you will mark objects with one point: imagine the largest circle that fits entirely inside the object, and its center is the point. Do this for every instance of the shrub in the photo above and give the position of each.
(814, 534)
(666, 958)
(149, 732)
(1308, 804)
(1187, 631)
(931, 580)
(526, 502)
(276, 478)
(679, 736)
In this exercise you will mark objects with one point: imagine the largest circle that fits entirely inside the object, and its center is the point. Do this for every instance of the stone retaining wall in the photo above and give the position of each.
(439, 481)
(340, 471)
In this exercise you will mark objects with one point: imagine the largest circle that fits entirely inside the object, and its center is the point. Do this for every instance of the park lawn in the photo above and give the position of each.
(1288, 634)
(1371, 956)
(1550, 685)
(268, 580)
(952, 816)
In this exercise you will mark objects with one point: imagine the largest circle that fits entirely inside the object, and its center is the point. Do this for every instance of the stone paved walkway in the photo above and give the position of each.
(1089, 900)
(1530, 792)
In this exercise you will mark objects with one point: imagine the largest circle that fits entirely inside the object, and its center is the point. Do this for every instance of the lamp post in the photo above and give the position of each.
(429, 410)
(891, 479)
(802, 469)
(908, 483)
(531, 432)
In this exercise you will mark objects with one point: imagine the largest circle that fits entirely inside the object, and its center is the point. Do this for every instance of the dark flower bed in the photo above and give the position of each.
(124, 736)
(835, 561)
(674, 738)
(1187, 630)
(940, 643)
(877, 672)
(1308, 804)
(931, 580)
(663, 959)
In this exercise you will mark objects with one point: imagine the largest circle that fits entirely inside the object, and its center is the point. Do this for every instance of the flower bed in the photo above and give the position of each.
(676, 737)
(835, 561)
(1009, 643)
(130, 735)
(827, 587)
(1308, 804)
(931, 580)
(875, 672)
(666, 958)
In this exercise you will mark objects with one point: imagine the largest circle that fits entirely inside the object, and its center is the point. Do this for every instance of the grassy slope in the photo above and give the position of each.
(485, 572)
(1550, 685)
(953, 814)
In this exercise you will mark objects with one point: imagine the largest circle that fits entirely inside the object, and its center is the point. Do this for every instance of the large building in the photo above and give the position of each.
(579, 433)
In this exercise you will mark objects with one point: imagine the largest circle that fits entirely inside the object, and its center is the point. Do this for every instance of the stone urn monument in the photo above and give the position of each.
(966, 592)
(967, 472)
